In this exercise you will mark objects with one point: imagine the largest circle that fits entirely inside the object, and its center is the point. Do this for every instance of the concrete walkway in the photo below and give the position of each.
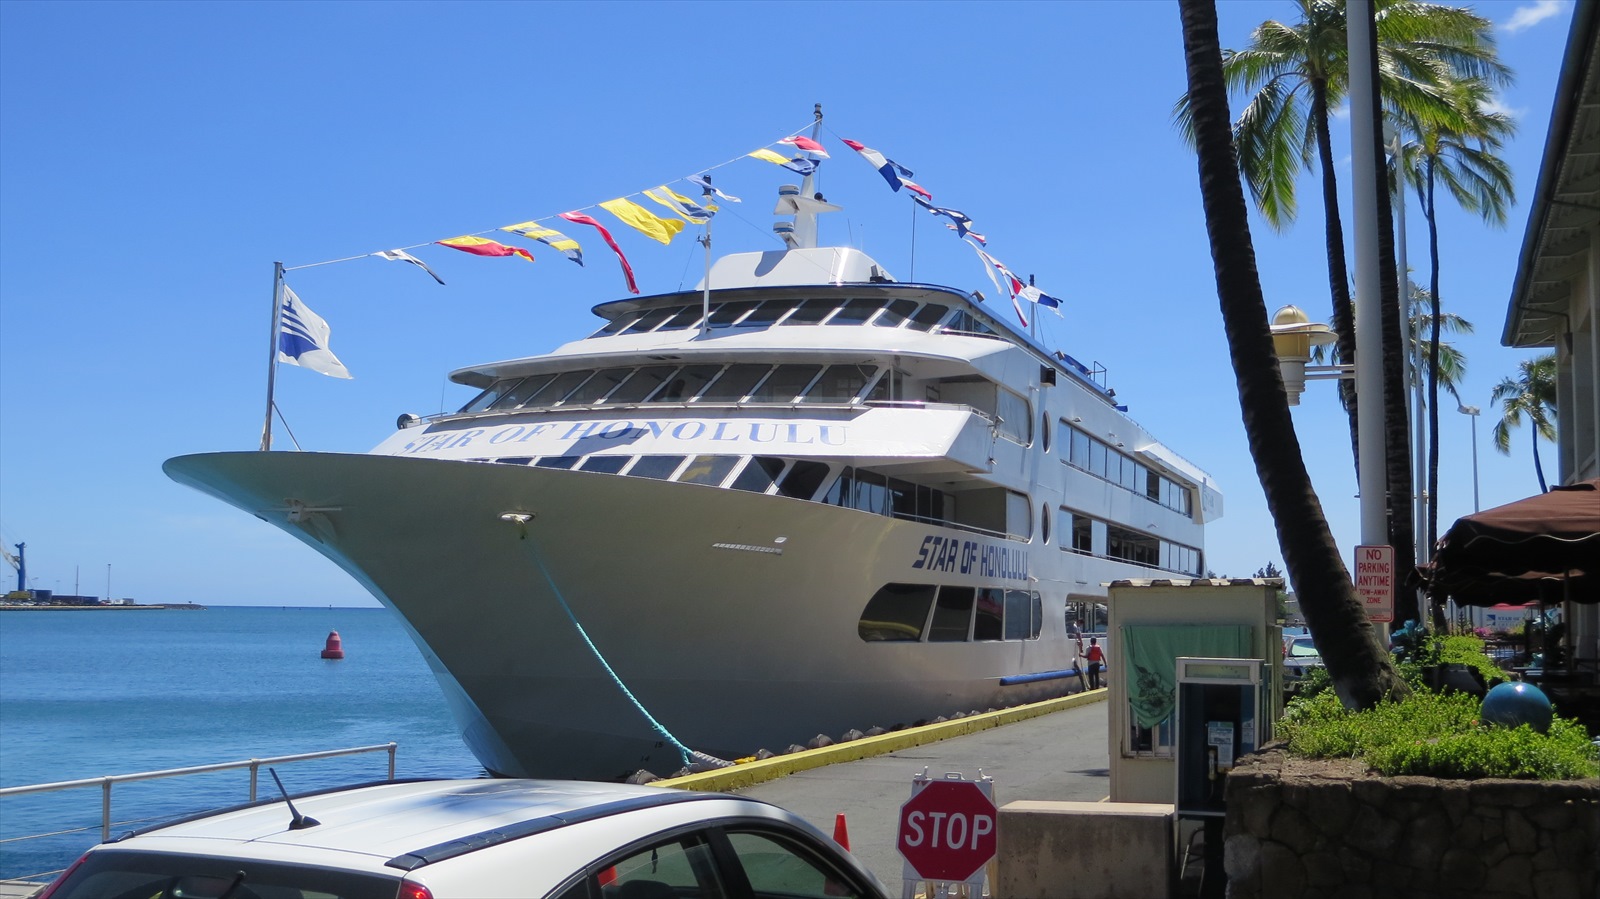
(1059, 756)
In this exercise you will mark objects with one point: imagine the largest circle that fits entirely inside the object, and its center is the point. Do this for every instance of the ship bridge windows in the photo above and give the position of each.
(728, 314)
(887, 313)
(687, 317)
(559, 387)
(856, 311)
(811, 312)
(895, 313)
(491, 395)
(912, 613)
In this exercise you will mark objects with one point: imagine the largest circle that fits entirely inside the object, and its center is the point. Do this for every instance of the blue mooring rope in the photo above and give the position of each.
(689, 756)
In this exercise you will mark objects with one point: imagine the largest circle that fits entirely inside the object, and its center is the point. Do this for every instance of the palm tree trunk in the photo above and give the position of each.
(1361, 671)
(1344, 323)
(1538, 468)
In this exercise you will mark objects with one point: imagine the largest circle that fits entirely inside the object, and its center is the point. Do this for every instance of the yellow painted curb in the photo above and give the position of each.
(749, 774)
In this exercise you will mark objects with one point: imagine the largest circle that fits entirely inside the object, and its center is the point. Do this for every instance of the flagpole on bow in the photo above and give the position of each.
(272, 352)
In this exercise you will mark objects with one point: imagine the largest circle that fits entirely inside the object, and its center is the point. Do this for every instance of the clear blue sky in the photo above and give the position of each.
(157, 158)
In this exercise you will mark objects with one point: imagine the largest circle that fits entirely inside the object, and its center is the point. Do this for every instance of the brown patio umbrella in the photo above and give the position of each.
(1544, 548)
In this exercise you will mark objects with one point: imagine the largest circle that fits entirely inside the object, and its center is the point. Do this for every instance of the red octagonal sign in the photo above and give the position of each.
(947, 830)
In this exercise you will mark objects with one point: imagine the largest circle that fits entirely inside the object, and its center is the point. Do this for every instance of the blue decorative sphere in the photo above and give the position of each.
(1514, 704)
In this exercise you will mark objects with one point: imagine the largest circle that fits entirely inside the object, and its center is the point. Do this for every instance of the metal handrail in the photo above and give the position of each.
(107, 782)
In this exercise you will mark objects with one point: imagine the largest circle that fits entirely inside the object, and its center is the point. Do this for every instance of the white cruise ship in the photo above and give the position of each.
(835, 501)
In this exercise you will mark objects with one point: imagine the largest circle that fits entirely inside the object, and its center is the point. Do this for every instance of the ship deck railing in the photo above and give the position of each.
(107, 782)
(436, 417)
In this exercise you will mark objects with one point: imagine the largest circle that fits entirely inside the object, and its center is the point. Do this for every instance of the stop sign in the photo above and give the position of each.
(947, 830)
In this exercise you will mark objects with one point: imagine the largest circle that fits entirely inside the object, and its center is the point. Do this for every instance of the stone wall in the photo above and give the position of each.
(1307, 828)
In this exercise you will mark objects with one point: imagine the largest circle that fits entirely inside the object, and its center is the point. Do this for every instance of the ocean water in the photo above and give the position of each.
(92, 693)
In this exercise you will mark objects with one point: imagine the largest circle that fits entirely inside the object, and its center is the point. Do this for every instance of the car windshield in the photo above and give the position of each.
(114, 874)
(1303, 648)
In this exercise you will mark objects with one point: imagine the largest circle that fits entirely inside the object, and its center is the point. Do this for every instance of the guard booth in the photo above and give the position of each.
(1154, 623)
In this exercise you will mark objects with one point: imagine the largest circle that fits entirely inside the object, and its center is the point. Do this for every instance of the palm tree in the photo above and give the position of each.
(1531, 393)
(1362, 673)
(1456, 146)
(1450, 364)
(1295, 75)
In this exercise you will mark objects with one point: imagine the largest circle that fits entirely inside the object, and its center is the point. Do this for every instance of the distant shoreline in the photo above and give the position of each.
(8, 607)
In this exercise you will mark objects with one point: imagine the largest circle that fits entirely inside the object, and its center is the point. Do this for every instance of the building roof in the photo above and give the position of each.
(1566, 201)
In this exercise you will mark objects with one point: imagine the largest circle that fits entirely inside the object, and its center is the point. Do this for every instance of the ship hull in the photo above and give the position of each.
(575, 620)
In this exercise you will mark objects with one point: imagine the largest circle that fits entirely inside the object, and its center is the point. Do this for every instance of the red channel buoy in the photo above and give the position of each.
(333, 649)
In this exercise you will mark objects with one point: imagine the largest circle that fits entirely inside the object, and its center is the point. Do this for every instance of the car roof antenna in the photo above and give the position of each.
(299, 821)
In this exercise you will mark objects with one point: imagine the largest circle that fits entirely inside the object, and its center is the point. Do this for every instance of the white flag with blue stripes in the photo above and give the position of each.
(303, 338)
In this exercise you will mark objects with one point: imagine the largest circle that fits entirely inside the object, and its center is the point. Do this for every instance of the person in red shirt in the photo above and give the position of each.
(1096, 659)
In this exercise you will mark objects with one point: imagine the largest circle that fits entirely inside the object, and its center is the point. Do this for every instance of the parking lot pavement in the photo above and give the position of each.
(1060, 756)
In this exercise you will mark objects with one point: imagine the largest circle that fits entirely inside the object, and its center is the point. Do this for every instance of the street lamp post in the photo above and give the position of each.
(1473, 411)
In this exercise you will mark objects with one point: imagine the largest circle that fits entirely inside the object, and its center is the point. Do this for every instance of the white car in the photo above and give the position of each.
(1300, 655)
(480, 839)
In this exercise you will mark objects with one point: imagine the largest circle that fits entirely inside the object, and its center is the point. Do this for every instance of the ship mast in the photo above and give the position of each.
(805, 219)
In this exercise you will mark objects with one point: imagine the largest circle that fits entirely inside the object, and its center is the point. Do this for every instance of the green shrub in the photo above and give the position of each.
(1436, 735)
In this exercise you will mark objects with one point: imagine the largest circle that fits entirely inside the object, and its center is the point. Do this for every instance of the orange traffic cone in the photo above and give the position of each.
(841, 833)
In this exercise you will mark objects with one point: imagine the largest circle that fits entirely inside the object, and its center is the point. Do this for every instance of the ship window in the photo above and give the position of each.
(657, 468)
(711, 470)
(513, 460)
(785, 383)
(595, 389)
(643, 382)
(928, 316)
(1044, 526)
(558, 461)
(686, 384)
(649, 320)
(759, 475)
(803, 479)
(487, 398)
(1019, 615)
(986, 623)
(727, 314)
(1016, 422)
(686, 317)
(811, 312)
(766, 314)
(734, 383)
(903, 498)
(839, 384)
(896, 613)
(559, 386)
(1080, 449)
(856, 311)
(1097, 458)
(841, 491)
(617, 324)
(871, 492)
(880, 391)
(1132, 473)
(952, 615)
(605, 464)
(1083, 534)
(895, 313)
(520, 394)
(1019, 520)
